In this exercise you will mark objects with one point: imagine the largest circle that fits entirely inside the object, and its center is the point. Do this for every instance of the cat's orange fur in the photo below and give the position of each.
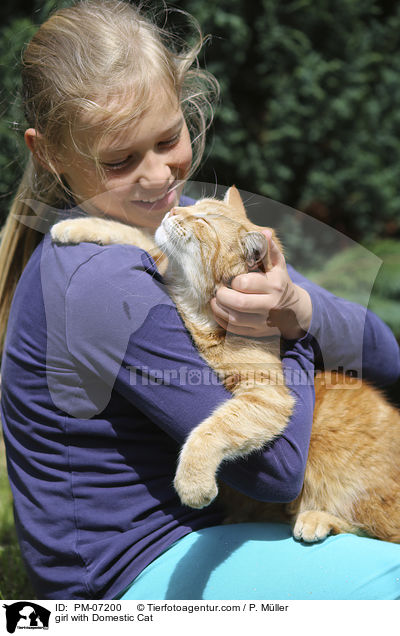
(352, 480)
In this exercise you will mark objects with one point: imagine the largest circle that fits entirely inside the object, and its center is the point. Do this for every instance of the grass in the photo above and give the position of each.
(14, 583)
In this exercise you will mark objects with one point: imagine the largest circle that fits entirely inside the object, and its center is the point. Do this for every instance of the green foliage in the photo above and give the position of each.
(14, 35)
(309, 112)
(350, 272)
(12, 41)
(14, 583)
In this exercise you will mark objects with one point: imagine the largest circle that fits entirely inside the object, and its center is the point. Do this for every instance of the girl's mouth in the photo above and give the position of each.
(163, 201)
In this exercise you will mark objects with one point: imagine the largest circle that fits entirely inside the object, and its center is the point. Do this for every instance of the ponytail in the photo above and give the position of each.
(17, 242)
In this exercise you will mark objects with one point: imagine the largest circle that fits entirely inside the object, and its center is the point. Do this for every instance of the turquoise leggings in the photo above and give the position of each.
(263, 561)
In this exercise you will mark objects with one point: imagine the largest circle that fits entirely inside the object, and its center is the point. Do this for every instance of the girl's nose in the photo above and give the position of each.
(155, 173)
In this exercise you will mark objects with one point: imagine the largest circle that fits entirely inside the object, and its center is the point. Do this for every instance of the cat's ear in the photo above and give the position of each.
(255, 246)
(234, 200)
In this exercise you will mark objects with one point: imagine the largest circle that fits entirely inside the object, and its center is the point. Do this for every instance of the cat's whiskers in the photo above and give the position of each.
(172, 247)
(216, 184)
(249, 205)
(246, 202)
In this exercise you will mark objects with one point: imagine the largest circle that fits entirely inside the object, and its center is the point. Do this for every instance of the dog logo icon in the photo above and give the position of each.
(26, 615)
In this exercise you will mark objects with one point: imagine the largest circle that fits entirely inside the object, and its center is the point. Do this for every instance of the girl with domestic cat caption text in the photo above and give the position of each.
(116, 122)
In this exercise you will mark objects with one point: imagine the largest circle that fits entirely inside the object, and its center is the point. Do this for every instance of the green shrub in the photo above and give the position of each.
(351, 272)
(14, 582)
(309, 112)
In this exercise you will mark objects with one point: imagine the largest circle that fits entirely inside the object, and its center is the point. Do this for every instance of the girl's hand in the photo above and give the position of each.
(267, 304)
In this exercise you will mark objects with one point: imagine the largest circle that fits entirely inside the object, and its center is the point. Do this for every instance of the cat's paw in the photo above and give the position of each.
(69, 231)
(312, 526)
(194, 491)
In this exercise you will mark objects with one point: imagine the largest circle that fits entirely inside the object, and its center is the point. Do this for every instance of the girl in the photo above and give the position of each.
(116, 120)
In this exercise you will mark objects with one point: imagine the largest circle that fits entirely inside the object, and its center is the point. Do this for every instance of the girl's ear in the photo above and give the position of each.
(34, 141)
(234, 200)
(255, 246)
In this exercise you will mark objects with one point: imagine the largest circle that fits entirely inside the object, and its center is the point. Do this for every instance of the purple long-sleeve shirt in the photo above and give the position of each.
(101, 384)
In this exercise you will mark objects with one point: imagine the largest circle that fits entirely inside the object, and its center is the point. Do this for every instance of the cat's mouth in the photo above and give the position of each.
(169, 234)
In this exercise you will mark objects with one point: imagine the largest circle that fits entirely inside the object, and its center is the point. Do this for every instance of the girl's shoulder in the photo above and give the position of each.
(93, 262)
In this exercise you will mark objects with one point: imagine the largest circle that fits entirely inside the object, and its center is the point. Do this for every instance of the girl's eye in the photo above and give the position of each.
(118, 165)
(170, 142)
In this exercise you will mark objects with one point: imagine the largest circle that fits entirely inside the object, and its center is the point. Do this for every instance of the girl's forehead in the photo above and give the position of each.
(114, 126)
(145, 130)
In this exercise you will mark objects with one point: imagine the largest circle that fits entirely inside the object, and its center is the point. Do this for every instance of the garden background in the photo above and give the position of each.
(309, 116)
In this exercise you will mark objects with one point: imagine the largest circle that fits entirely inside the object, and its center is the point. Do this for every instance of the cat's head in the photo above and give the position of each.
(210, 243)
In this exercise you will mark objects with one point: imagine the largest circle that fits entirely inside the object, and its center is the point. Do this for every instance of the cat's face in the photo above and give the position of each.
(210, 243)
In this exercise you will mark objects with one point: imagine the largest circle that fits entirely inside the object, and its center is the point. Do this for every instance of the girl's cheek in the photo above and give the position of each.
(183, 152)
(114, 182)
(184, 157)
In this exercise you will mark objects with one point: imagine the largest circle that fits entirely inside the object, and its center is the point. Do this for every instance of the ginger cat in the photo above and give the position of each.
(352, 479)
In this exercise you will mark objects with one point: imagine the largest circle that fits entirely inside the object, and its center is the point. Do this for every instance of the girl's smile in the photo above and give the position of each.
(166, 200)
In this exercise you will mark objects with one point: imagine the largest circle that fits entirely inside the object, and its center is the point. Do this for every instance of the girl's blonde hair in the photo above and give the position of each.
(83, 59)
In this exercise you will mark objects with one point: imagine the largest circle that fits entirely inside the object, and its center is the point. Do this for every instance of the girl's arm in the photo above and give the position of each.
(350, 336)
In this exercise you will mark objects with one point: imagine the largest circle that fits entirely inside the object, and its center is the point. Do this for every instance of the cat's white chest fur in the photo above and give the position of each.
(185, 275)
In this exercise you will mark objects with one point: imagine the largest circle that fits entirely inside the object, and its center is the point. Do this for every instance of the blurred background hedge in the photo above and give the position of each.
(310, 106)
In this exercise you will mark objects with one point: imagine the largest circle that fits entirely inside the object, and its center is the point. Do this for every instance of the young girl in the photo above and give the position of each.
(116, 120)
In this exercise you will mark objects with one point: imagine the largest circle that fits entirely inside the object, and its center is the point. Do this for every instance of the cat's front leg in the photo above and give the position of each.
(89, 229)
(97, 230)
(106, 232)
(238, 427)
(195, 478)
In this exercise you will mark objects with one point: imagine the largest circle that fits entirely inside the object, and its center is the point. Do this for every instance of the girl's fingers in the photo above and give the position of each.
(228, 315)
(221, 313)
(252, 283)
(275, 254)
(238, 319)
(251, 303)
(262, 332)
(242, 323)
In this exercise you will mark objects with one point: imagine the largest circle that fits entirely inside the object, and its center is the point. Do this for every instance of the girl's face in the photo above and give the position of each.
(145, 166)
